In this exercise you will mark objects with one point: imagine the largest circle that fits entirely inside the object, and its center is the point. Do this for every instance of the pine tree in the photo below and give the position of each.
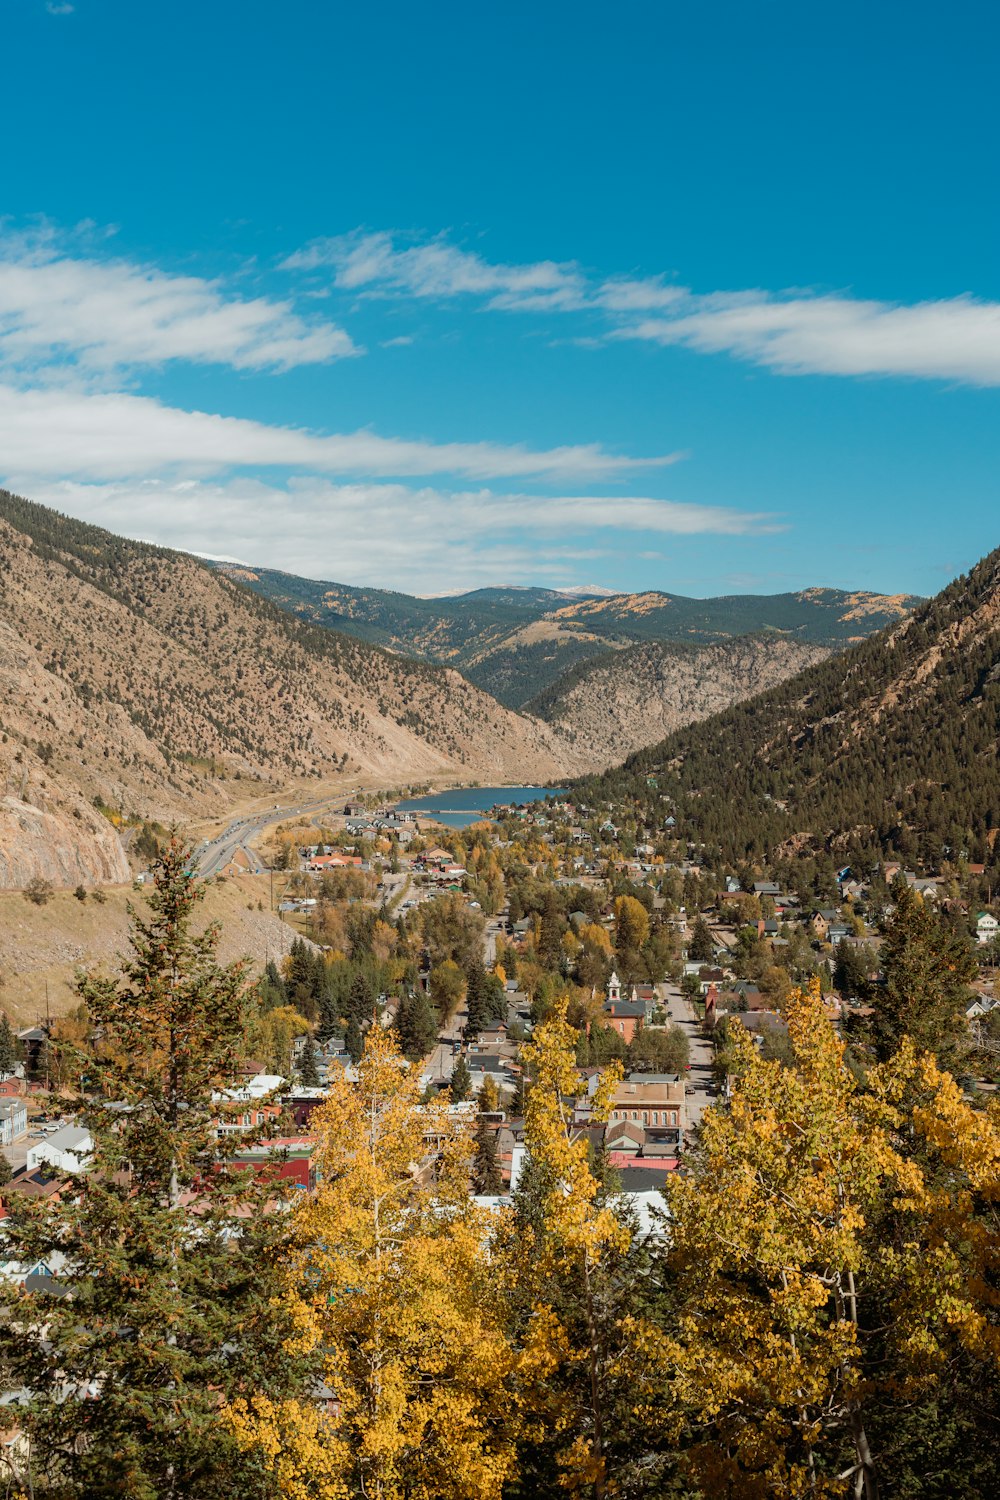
(308, 1066)
(8, 1048)
(928, 968)
(353, 1040)
(461, 1080)
(474, 997)
(486, 1166)
(361, 999)
(701, 948)
(169, 1254)
(416, 1025)
(329, 1022)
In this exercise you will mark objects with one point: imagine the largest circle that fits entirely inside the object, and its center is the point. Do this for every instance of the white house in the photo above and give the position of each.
(67, 1150)
(986, 928)
(13, 1120)
(255, 1089)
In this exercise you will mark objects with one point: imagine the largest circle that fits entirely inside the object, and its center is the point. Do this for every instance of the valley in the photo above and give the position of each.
(142, 686)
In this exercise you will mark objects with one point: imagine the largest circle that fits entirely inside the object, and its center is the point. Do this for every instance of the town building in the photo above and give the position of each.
(651, 1099)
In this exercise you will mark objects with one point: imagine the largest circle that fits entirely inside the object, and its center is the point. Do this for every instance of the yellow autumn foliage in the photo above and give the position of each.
(391, 1284)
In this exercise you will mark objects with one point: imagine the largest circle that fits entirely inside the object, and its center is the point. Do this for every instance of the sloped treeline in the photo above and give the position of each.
(890, 747)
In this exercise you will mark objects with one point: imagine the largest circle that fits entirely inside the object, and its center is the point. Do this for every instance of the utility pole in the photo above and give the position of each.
(48, 1034)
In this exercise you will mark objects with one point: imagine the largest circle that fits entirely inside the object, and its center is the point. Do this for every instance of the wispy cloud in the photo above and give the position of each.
(955, 339)
(438, 269)
(108, 436)
(99, 315)
(791, 333)
(417, 538)
(55, 9)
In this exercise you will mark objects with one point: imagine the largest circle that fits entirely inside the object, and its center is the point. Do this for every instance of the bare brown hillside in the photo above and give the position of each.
(42, 947)
(138, 678)
(624, 701)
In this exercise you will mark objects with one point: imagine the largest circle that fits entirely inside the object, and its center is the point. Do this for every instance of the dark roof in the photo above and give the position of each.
(665, 1146)
(643, 1179)
(38, 1282)
(761, 1021)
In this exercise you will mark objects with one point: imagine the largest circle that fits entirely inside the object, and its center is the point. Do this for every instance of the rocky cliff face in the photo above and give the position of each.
(64, 850)
(625, 701)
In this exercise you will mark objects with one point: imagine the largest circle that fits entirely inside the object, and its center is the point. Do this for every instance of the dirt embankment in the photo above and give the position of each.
(44, 946)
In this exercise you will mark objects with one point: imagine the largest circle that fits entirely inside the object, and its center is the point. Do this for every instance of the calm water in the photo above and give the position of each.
(469, 805)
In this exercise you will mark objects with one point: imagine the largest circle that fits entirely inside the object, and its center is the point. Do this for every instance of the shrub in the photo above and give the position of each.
(38, 890)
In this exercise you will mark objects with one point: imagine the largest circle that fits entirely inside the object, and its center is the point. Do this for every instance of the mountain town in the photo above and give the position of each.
(499, 752)
(561, 1036)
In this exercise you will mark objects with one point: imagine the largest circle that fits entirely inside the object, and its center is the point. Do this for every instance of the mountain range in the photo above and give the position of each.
(517, 643)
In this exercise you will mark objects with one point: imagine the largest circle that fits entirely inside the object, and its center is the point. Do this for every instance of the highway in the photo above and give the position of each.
(215, 854)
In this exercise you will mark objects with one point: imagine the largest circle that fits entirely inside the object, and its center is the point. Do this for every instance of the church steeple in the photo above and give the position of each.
(614, 988)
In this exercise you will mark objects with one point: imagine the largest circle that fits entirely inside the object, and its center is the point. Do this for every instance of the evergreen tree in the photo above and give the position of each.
(701, 948)
(416, 1025)
(8, 1047)
(308, 1066)
(486, 1166)
(475, 998)
(928, 967)
(169, 1254)
(360, 999)
(353, 1040)
(329, 1022)
(6, 1171)
(552, 925)
(461, 1080)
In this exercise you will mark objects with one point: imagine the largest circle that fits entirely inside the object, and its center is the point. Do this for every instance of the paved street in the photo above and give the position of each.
(441, 1061)
(681, 1012)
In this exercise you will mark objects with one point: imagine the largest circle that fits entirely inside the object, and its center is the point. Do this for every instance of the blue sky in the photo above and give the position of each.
(701, 298)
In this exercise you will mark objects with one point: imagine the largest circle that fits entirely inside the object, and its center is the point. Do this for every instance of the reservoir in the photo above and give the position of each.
(467, 805)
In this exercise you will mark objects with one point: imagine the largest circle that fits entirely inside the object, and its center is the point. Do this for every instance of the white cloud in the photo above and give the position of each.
(954, 339)
(415, 538)
(792, 333)
(98, 436)
(436, 269)
(622, 294)
(106, 314)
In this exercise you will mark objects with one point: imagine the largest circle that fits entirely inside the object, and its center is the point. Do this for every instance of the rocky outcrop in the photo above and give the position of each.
(623, 702)
(66, 851)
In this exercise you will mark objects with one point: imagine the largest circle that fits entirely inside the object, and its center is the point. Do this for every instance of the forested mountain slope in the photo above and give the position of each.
(516, 643)
(139, 678)
(891, 745)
